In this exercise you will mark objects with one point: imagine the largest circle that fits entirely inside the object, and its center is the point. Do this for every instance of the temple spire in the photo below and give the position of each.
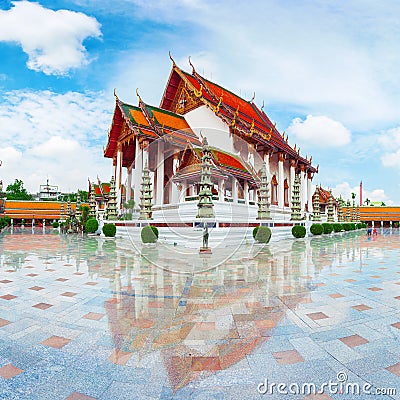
(348, 217)
(205, 205)
(330, 208)
(92, 202)
(316, 216)
(62, 212)
(340, 210)
(296, 213)
(69, 207)
(111, 211)
(146, 195)
(263, 195)
(78, 212)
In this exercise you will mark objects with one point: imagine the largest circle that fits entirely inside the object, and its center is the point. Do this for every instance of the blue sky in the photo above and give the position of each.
(327, 72)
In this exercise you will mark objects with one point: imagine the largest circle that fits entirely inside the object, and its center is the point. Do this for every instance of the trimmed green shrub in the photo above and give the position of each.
(255, 230)
(6, 220)
(316, 229)
(299, 231)
(55, 224)
(263, 234)
(109, 230)
(91, 225)
(337, 227)
(347, 226)
(148, 235)
(328, 228)
(155, 230)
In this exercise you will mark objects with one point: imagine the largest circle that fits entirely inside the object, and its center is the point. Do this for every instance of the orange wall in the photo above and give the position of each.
(385, 213)
(19, 209)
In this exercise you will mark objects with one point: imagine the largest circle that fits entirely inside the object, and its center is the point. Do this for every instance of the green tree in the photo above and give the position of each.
(16, 191)
(85, 214)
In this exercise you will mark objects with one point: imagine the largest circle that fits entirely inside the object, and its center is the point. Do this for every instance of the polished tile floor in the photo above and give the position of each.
(87, 318)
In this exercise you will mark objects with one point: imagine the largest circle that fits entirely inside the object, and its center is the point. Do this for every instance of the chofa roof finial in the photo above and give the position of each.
(138, 95)
(170, 57)
(190, 63)
(115, 95)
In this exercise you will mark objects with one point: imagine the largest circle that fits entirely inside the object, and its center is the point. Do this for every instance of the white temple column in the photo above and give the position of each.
(305, 189)
(182, 195)
(246, 192)
(281, 178)
(145, 153)
(234, 190)
(302, 186)
(267, 160)
(309, 192)
(118, 177)
(128, 183)
(292, 174)
(174, 188)
(138, 173)
(160, 173)
(221, 189)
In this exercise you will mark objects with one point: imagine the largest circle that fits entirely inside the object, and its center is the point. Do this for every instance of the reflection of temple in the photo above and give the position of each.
(211, 320)
(167, 139)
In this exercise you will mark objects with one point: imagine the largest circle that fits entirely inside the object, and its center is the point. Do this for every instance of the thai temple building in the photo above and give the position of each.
(168, 141)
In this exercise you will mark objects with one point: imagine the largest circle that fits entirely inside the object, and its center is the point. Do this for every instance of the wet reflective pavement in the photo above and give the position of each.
(84, 318)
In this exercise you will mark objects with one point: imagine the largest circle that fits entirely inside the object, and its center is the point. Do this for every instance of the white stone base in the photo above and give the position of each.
(233, 225)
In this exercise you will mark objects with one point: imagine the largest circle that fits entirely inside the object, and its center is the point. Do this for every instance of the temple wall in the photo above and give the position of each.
(273, 165)
(203, 120)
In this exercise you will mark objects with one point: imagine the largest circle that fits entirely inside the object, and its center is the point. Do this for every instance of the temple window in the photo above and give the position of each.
(274, 191)
(286, 193)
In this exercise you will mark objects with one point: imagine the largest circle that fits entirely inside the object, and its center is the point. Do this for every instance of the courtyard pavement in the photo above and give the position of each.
(87, 318)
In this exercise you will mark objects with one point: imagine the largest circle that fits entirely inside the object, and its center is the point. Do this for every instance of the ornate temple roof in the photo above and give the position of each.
(224, 164)
(149, 122)
(185, 92)
(324, 195)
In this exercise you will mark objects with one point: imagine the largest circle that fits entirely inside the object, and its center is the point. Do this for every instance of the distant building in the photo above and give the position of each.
(49, 192)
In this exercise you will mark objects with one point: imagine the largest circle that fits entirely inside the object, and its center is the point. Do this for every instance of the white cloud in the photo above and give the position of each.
(319, 131)
(390, 143)
(345, 190)
(53, 40)
(312, 56)
(56, 135)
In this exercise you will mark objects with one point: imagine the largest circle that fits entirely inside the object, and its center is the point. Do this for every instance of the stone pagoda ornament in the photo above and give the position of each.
(111, 211)
(263, 195)
(354, 213)
(316, 216)
(296, 208)
(78, 212)
(340, 210)
(69, 210)
(348, 215)
(62, 218)
(92, 202)
(330, 208)
(205, 205)
(146, 195)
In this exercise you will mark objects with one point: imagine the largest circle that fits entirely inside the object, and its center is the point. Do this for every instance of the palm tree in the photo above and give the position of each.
(367, 201)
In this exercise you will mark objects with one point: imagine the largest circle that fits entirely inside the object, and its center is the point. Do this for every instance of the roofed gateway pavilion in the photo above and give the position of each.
(168, 141)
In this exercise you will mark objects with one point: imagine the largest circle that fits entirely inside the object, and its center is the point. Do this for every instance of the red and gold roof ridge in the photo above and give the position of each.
(234, 110)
